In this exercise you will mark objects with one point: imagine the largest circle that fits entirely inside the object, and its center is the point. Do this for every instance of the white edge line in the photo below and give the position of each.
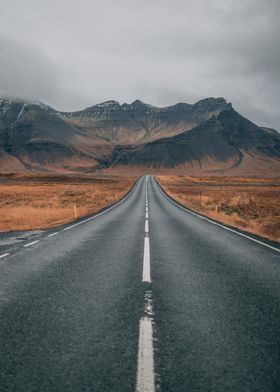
(51, 235)
(31, 243)
(216, 223)
(4, 255)
(105, 211)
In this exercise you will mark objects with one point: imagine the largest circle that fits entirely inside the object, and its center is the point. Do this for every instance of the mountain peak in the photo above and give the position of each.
(109, 102)
(137, 102)
(217, 100)
(212, 102)
(103, 106)
(19, 101)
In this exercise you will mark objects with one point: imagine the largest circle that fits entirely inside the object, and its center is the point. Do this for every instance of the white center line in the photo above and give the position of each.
(146, 277)
(145, 365)
(145, 381)
(146, 226)
(51, 235)
(31, 243)
(4, 255)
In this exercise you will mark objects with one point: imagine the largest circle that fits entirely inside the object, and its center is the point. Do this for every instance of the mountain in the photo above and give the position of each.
(208, 137)
(110, 122)
(34, 136)
(227, 142)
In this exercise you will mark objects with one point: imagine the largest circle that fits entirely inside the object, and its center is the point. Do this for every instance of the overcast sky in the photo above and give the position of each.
(71, 54)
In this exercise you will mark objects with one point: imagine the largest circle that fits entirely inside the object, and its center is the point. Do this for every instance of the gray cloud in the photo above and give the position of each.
(74, 54)
(25, 72)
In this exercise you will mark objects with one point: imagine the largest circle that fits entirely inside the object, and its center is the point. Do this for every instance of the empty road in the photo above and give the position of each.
(143, 297)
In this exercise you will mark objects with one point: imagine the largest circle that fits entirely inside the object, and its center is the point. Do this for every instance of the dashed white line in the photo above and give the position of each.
(146, 226)
(51, 235)
(145, 365)
(31, 243)
(145, 381)
(4, 255)
(146, 276)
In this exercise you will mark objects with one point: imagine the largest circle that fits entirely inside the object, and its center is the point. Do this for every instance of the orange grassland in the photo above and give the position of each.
(250, 204)
(41, 201)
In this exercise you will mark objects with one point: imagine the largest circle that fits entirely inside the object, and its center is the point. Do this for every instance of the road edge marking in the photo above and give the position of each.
(30, 243)
(53, 234)
(107, 209)
(212, 221)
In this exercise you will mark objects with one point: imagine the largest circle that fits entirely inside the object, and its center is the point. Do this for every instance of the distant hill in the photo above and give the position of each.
(208, 137)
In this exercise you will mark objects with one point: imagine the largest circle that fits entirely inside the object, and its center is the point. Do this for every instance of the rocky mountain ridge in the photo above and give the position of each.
(206, 137)
(138, 121)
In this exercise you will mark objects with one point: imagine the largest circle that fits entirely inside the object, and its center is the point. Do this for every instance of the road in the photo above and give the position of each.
(144, 297)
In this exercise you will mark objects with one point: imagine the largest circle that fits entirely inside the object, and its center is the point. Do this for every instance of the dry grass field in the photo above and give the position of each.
(42, 201)
(252, 205)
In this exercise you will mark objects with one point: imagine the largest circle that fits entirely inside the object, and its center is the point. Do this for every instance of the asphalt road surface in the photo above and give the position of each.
(144, 297)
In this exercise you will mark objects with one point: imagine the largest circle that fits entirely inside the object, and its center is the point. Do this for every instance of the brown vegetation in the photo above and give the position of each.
(250, 204)
(39, 201)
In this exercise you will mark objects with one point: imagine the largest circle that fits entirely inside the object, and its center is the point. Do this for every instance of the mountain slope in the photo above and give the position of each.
(35, 137)
(224, 142)
(110, 122)
(206, 137)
